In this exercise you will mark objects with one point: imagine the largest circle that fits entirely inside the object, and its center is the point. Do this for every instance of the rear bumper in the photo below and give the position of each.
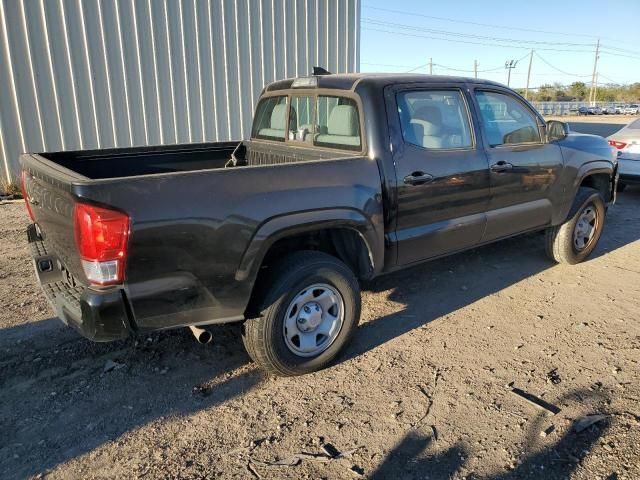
(629, 169)
(100, 316)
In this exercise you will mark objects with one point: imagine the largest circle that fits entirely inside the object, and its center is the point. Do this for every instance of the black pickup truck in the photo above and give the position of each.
(344, 177)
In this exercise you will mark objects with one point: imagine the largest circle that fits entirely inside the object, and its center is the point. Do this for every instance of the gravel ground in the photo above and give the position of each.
(423, 392)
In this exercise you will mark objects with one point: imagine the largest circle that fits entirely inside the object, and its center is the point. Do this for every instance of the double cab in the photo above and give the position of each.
(344, 178)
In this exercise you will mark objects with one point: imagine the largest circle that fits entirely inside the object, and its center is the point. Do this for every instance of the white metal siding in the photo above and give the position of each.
(81, 74)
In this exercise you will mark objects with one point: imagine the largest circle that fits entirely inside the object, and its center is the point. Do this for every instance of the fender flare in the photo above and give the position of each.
(283, 226)
(590, 168)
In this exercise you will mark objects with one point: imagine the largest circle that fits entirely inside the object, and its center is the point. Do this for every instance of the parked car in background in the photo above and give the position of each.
(343, 178)
(583, 111)
(620, 109)
(632, 109)
(609, 110)
(627, 143)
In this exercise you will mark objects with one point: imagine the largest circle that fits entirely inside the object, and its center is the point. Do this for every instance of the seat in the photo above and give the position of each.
(342, 128)
(277, 123)
(429, 118)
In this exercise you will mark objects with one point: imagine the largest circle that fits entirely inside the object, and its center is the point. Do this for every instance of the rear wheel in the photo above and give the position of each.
(309, 308)
(574, 240)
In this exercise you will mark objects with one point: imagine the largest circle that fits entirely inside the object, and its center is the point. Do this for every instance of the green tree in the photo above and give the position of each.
(578, 90)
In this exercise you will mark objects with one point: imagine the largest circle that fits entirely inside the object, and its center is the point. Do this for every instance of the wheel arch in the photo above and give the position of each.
(349, 231)
(598, 174)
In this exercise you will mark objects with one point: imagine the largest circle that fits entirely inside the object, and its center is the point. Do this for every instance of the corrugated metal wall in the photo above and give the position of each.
(79, 74)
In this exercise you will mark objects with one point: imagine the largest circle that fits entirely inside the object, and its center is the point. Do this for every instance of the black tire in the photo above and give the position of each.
(559, 243)
(263, 336)
(620, 187)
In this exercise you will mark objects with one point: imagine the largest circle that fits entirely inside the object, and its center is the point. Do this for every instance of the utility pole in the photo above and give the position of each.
(509, 65)
(592, 93)
(475, 68)
(526, 90)
(430, 66)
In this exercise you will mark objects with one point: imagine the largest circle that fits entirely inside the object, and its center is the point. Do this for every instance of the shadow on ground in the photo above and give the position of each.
(411, 459)
(58, 403)
(460, 280)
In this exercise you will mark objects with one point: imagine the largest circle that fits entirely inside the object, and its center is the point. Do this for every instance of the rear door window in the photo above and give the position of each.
(270, 122)
(506, 120)
(434, 119)
(337, 123)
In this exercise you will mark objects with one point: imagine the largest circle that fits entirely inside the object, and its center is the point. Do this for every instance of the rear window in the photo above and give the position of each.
(337, 123)
(323, 120)
(270, 122)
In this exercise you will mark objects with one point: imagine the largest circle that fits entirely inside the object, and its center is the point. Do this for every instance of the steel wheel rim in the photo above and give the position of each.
(313, 320)
(586, 227)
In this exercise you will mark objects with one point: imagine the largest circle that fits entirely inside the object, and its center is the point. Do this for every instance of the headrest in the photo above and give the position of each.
(430, 118)
(415, 133)
(279, 116)
(343, 121)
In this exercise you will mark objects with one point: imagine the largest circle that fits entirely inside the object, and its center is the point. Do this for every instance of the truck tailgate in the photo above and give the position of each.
(99, 315)
(49, 194)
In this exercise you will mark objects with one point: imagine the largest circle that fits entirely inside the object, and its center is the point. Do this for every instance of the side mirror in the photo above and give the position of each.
(557, 130)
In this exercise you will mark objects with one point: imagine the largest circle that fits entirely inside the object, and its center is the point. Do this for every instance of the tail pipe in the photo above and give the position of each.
(202, 335)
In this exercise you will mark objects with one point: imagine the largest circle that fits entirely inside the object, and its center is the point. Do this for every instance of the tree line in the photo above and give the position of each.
(579, 92)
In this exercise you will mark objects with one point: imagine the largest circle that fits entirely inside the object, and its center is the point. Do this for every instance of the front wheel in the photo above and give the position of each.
(573, 241)
(309, 308)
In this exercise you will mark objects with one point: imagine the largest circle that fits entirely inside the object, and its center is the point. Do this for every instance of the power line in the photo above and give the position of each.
(501, 27)
(559, 69)
(610, 79)
(471, 42)
(620, 55)
(385, 23)
(384, 65)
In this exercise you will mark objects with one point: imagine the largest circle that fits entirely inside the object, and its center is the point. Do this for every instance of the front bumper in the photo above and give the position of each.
(100, 316)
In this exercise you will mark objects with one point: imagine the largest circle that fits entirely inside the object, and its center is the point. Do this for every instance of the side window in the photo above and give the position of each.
(434, 119)
(271, 119)
(506, 120)
(337, 123)
(301, 126)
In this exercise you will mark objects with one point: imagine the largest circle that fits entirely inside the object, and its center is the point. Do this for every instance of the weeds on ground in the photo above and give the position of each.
(10, 189)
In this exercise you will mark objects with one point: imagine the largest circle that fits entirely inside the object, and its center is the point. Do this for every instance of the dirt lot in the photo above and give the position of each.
(423, 392)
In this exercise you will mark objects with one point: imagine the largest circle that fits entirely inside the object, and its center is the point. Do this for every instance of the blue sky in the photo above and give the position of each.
(492, 32)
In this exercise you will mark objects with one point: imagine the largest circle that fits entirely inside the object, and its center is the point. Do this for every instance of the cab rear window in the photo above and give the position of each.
(329, 121)
(270, 122)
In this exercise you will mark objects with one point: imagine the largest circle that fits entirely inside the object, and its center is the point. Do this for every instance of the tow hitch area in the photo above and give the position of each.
(45, 265)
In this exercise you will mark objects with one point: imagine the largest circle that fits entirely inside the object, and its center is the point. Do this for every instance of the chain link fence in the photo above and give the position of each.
(570, 108)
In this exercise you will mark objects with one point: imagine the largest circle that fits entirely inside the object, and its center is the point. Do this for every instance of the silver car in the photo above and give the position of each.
(627, 143)
(632, 109)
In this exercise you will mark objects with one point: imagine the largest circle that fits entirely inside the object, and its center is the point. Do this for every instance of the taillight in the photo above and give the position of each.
(616, 144)
(101, 238)
(23, 175)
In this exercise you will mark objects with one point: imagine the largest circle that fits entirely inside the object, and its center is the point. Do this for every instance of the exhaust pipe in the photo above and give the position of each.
(202, 335)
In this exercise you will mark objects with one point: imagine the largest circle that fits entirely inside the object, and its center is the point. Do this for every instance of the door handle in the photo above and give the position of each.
(501, 166)
(418, 178)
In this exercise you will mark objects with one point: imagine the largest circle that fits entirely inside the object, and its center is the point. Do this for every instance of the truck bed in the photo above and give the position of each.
(128, 162)
(139, 161)
(193, 223)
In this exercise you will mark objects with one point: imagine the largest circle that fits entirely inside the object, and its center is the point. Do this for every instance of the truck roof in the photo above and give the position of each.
(348, 81)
